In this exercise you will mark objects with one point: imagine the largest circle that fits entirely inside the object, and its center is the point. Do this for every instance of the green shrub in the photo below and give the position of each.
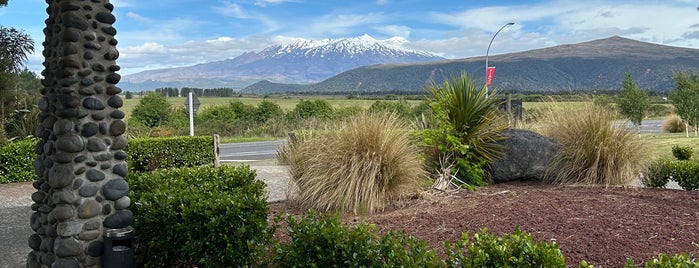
(659, 110)
(359, 165)
(658, 174)
(682, 152)
(663, 261)
(401, 107)
(595, 150)
(148, 154)
(325, 242)
(152, 110)
(313, 108)
(200, 217)
(511, 250)
(685, 173)
(16, 161)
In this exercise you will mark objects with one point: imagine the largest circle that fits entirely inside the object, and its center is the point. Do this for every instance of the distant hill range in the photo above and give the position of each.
(304, 62)
(593, 65)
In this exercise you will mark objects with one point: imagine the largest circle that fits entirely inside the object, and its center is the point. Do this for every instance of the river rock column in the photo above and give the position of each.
(81, 165)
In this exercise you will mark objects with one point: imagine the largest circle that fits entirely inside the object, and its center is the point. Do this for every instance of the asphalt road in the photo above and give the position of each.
(249, 151)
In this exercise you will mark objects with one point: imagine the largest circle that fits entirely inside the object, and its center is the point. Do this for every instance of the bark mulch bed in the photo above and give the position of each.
(602, 225)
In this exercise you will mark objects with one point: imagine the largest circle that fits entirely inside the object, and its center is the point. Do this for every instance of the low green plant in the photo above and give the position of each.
(658, 174)
(322, 241)
(663, 261)
(594, 149)
(148, 154)
(200, 217)
(511, 250)
(685, 173)
(16, 161)
(682, 152)
(360, 164)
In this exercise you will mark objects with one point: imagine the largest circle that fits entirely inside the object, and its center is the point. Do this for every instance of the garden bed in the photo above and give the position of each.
(602, 225)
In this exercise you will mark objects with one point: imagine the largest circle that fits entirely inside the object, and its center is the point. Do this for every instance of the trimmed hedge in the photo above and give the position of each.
(200, 217)
(17, 161)
(148, 154)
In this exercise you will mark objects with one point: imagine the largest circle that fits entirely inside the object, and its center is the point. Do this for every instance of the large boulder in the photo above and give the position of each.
(527, 156)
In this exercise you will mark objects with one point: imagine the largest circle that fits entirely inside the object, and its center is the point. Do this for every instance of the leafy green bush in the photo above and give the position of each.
(511, 250)
(360, 165)
(401, 107)
(16, 161)
(685, 173)
(658, 174)
(325, 242)
(682, 152)
(663, 261)
(312, 108)
(595, 150)
(152, 110)
(148, 154)
(200, 217)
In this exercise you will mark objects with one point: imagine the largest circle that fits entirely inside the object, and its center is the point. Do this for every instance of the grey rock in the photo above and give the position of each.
(527, 156)
(90, 208)
(69, 228)
(88, 190)
(122, 203)
(95, 175)
(67, 247)
(96, 145)
(63, 212)
(93, 104)
(92, 225)
(121, 169)
(120, 219)
(115, 189)
(61, 176)
(95, 249)
(34, 241)
(89, 235)
(70, 143)
(64, 196)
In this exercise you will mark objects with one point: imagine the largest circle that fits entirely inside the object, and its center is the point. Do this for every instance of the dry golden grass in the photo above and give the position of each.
(359, 165)
(595, 150)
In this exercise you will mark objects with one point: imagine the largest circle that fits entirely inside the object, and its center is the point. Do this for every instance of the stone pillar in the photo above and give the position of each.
(81, 165)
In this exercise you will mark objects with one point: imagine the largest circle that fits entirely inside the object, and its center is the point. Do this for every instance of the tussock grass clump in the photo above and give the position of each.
(674, 124)
(358, 165)
(595, 150)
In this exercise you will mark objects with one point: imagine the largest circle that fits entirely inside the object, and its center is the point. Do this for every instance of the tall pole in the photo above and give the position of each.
(488, 51)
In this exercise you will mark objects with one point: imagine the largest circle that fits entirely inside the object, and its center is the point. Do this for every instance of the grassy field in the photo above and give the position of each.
(660, 144)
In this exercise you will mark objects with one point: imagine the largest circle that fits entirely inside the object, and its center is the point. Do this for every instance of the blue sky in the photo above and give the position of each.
(155, 34)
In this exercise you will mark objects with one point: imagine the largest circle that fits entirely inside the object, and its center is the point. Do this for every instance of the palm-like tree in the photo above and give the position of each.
(15, 47)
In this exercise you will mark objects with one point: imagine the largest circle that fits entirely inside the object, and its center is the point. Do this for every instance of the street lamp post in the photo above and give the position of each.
(488, 51)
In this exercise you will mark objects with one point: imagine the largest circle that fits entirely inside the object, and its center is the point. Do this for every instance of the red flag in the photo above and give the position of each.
(490, 75)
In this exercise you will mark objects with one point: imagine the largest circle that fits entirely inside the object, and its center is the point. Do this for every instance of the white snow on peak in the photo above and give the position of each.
(350, 46)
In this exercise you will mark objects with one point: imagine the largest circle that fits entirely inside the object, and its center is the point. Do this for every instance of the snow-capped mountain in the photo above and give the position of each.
(306, 61)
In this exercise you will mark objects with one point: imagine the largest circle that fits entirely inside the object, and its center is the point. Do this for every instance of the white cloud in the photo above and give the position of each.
(265, 3)
(342, 24)
(137, 17)
(394, 30)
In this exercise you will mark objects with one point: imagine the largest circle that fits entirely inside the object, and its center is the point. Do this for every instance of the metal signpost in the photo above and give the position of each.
(192, 104)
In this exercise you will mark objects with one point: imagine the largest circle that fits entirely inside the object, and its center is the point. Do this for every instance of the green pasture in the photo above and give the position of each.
(660, 144)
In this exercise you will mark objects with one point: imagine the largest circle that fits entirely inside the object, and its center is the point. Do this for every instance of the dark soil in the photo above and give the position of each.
(601, 225)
